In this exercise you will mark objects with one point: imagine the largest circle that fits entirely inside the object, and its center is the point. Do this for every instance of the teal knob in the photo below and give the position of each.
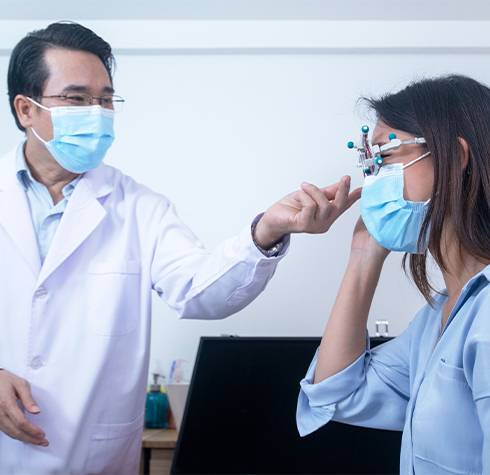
(392, 136)
(367, 171)
(379, 161)
(350, 144)
(365, 129)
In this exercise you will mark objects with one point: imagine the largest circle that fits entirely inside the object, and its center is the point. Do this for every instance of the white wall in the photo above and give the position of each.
(247, 9)
(225, 135)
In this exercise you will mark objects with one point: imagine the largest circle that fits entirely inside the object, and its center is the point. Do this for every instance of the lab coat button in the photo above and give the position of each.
(41, 292)
(37, 362)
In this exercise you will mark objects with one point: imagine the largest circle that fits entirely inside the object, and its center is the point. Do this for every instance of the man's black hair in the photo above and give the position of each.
(28, 73)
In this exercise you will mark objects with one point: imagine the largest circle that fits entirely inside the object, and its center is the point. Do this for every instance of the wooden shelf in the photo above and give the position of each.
(159, 438)
(157, 451)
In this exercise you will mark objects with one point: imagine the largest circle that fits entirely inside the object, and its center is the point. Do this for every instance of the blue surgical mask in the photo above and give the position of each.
(81, 136)
(394, 222)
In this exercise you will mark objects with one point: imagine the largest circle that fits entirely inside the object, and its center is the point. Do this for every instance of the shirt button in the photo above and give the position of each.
(41, 292)
(37, 362)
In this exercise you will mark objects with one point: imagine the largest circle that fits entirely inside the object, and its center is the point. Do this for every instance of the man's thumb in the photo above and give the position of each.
(24, 392)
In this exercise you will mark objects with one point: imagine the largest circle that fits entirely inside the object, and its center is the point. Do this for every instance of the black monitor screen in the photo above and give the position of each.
(240, 416)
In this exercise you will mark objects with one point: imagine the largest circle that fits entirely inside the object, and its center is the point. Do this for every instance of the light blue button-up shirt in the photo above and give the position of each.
(437, 390)
(46, 215)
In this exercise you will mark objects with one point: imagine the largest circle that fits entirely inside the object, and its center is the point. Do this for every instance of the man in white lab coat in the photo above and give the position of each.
(82, 247)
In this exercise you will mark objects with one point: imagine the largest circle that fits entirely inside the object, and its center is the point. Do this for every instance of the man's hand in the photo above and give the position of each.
(308, 210)
(13, 422)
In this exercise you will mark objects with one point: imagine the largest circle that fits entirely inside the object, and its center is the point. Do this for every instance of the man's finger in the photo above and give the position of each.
(342, 195)
(316, 195)
(353, 197)
(308, 209)
(8, 427)
(22, 423)
(330, 190)
(23, 390)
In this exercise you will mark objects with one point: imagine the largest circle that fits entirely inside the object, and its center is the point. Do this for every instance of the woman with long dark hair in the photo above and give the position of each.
(431, 194)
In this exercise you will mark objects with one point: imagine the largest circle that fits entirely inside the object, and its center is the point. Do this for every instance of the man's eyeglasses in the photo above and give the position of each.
(109, 101)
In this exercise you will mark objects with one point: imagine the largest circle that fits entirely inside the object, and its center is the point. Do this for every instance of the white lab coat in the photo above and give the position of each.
(78, 327)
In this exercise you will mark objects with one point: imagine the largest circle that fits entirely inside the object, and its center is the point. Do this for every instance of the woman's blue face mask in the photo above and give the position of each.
(390, 219)
(81, 136)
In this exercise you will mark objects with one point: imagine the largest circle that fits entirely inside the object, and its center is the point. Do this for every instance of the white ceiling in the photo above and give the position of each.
(246, 9)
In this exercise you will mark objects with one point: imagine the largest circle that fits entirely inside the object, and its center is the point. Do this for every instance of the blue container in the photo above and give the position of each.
(156, 409)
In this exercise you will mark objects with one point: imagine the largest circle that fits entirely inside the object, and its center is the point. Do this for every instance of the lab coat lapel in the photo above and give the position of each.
(15, 215)
(82, 215)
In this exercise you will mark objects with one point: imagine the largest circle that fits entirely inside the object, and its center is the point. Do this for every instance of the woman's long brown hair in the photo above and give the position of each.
(442, 110)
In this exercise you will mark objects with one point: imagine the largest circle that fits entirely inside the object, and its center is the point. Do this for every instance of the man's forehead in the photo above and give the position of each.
(78, 71)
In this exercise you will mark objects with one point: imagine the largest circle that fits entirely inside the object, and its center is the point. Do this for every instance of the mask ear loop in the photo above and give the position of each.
(32, 128)
(39, 105)
(413, 162)
(39, 137)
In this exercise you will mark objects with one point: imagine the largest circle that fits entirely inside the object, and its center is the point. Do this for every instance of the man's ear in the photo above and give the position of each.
(24, 109)
(465, 153)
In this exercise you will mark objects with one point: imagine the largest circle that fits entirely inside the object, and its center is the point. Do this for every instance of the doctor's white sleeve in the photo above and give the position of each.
(373, 391)
(202, 284)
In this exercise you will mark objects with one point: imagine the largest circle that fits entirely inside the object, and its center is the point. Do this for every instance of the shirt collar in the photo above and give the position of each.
(22, 171)
(485, 273)
(26, 179)
(468, 287)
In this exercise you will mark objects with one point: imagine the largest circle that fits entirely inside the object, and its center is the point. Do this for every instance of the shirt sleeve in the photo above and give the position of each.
(476, 362)
(202, 284)
(373, 391)
(275, 250)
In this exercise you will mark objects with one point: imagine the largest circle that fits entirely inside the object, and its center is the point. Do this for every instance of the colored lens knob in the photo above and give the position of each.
(365, 129)
(392, 136)
(350, 144)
